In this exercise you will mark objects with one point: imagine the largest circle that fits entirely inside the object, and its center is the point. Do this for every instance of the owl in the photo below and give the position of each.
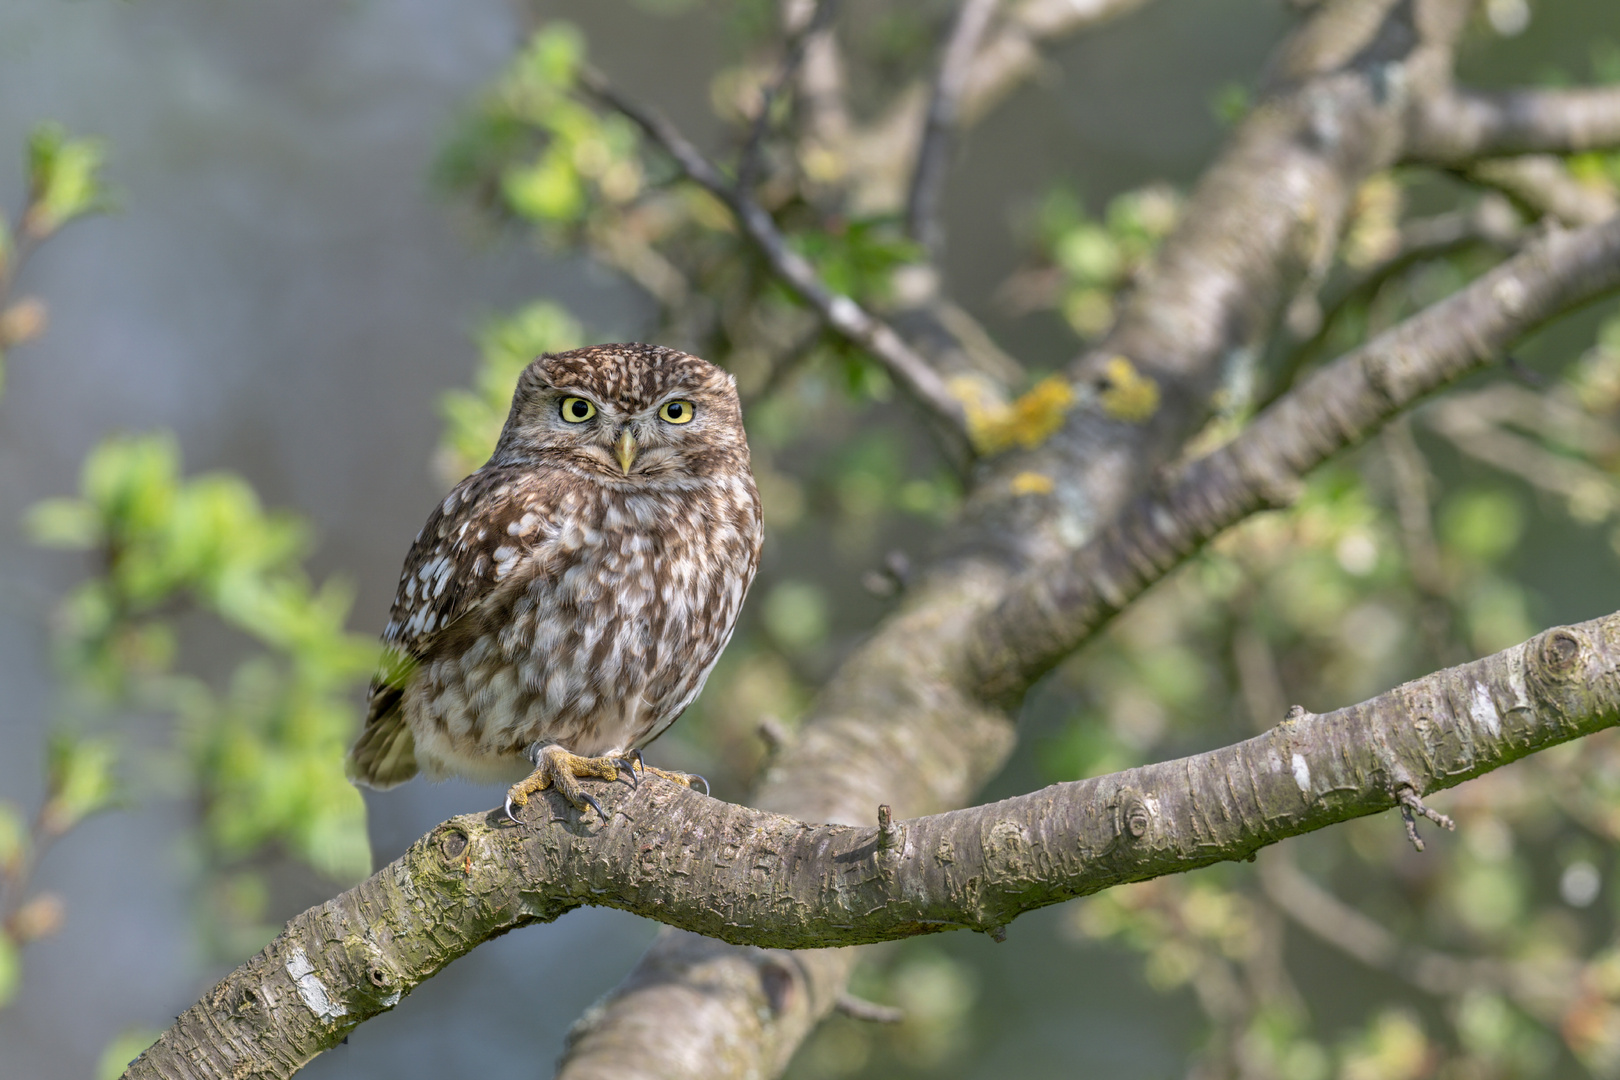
(565, 603)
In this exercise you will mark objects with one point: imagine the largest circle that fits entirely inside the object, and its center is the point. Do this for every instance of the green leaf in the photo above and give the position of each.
(79, 778)
(125, 1048)
(63, 523)
(10, 969)
(473, 418)
(64, 181)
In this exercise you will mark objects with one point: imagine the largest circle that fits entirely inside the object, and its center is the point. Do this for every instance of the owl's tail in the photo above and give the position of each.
(385, 754)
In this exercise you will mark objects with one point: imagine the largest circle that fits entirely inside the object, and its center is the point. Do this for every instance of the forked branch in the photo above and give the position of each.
(846, 317)
(752, 877)
(1055, 607)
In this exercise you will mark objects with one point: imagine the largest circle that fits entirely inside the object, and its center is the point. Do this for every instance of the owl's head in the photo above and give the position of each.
(629, 415)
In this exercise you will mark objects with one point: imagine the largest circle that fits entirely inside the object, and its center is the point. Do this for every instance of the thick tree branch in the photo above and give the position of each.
(846, 317)
(934, 154)
(757, 878)
(895, 723)
(1461, 127)
(1053, 609)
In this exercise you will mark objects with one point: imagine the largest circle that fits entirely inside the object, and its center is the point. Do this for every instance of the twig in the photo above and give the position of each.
(1413, 807)
(1490, 222)
(1464, 126)
(933, 154)
(841, 313)
(1013, 53)
(860, 1009)
(1544, 185)
(748, 163)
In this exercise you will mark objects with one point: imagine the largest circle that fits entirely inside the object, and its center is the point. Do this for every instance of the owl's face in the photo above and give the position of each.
(631, 416)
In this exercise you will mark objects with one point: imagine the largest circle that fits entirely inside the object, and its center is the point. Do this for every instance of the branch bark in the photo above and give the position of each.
(1053, 608)
(896, 724)
(758, 878)
(1461, 127)
(934, 154)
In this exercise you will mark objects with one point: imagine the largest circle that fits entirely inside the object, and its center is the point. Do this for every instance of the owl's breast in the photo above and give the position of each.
(606, 627)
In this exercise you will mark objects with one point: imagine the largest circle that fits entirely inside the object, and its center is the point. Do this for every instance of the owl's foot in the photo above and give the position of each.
(632, 760)
(556, 767)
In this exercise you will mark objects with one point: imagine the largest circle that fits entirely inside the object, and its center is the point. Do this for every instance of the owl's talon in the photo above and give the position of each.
(681, 778)
(511, 816)
(624, 764)
(556, 767)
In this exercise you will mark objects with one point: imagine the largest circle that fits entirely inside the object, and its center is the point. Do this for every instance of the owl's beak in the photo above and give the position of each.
(625, 451)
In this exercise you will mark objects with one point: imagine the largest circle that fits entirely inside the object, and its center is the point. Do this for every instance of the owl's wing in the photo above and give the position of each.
(471, 541)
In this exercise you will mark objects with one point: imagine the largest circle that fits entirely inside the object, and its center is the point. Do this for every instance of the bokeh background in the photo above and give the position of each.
(284, 287)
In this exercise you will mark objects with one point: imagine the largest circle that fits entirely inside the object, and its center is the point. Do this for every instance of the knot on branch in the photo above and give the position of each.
(1133, 818)
(888, 836)
(1559, 671)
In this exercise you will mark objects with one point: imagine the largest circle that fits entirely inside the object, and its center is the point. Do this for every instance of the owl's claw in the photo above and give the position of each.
(556, 767)
(681, 778)
(629, 768)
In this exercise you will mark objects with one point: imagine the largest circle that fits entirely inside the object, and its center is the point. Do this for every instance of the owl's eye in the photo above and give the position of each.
(678, 412)
(576, 410)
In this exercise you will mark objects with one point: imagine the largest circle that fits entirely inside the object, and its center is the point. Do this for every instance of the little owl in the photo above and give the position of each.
(566, 602)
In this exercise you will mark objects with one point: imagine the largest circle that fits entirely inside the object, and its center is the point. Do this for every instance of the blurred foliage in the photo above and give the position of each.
(1404, 558)
(64, 184)
(473, 418)
(1407, 556)
(266, 751)
(1081, 263)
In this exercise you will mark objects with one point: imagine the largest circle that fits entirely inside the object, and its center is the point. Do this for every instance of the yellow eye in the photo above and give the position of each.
(678, 412)
(576, 410)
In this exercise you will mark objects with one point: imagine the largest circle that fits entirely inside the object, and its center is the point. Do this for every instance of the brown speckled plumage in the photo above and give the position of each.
(554, 597)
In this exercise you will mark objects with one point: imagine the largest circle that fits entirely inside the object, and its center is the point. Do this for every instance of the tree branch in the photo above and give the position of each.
(1463, 126)
(896, 722)
(1053, 609)
(841, 313)
(934, 154)
(1013, 53)
(1544, 185)
(748, 162)
(752, 877)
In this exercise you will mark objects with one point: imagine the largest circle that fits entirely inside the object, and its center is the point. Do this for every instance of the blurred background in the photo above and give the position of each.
(308, 278)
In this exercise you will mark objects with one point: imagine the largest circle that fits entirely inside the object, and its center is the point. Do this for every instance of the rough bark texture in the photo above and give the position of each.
(1054, 608)
(897, 723)
(917, 717)
(753, 877)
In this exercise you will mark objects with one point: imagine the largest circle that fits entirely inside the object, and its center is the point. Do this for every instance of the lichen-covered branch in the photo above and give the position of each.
(1052, 609)
(895, 723)
(752, 877)
(1461, 127)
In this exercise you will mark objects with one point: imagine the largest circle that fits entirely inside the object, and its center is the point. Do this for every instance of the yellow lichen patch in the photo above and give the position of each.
(1031, 483)
(1127, 394)
(995, 425)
